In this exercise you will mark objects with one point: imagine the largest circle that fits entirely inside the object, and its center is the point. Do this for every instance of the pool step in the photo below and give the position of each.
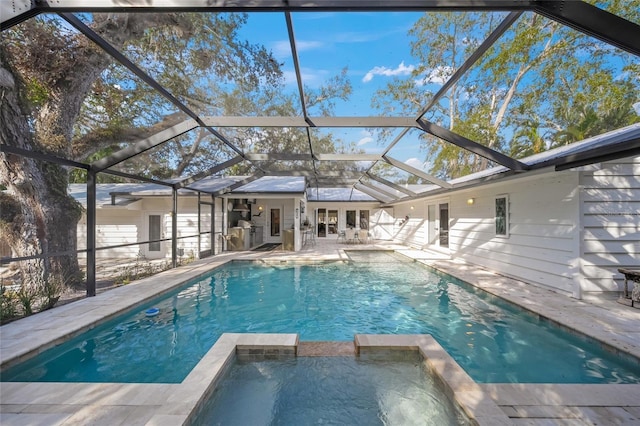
(326, 349)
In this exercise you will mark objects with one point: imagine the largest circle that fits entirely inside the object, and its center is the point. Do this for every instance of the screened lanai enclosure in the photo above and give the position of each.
(107, 102)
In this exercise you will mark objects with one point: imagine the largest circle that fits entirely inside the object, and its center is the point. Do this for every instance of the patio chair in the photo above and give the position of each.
(350, 235)
(342, 236)
(363, 236)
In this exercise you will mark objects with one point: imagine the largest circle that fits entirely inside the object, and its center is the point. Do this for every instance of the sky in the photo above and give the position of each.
(373, 46)
(375, 49)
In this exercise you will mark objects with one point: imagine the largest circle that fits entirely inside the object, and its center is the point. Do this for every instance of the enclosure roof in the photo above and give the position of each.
(338, 195)
(560, 158)
(377, 140)
(107, 192)
(104, 191)
(274, 184)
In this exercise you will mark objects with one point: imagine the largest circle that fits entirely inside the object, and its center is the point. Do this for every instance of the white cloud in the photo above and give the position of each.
(365, 140)
(401, 69)
(414, 162)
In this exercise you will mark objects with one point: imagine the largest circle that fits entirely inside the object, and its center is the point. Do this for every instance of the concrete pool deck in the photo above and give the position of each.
(616, 326)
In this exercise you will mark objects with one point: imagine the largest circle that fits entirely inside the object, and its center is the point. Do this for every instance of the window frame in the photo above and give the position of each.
(504, 216)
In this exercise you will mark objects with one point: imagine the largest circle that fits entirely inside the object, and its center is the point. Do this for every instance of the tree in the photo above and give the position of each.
(63, 96)
(529, 87)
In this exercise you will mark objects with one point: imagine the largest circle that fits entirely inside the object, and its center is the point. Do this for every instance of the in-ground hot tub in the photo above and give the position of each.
(391, 380)
(331, 390)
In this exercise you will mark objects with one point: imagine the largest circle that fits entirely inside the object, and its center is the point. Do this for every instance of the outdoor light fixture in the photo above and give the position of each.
(260, 208)
(470, 201)
(411, 207)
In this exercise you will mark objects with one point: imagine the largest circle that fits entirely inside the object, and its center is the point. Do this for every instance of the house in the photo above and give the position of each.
(566, 229)
(128, 214)
(561, 226)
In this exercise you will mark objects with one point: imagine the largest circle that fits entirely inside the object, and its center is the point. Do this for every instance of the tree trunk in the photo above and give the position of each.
(37, 215)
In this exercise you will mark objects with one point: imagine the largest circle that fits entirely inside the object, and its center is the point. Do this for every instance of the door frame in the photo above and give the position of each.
(145, 249)
(433, 225)
(270, 238)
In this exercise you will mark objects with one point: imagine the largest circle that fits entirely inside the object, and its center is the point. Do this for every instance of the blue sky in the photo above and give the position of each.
(373, 45)
(375, 48)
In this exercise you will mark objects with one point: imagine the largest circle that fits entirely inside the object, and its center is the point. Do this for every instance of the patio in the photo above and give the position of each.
(611, 323)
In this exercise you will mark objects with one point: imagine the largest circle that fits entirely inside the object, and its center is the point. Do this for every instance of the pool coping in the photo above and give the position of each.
(180, 404)
(53, 327)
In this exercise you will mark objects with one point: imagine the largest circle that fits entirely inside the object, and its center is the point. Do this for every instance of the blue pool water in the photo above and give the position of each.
(329, 391)
(377, 294)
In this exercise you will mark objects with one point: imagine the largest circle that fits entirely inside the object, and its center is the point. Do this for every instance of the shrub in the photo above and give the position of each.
(8, 303)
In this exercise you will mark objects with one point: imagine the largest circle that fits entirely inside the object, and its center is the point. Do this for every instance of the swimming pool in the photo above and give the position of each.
(377, 294)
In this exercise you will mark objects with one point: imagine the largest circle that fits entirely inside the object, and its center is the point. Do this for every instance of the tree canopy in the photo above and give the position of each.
(541, 85)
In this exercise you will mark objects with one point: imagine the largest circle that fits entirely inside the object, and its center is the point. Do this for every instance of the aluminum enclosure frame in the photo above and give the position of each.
(576, 14)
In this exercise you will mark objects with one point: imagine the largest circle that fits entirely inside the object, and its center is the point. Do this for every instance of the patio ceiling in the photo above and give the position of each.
(364, 170)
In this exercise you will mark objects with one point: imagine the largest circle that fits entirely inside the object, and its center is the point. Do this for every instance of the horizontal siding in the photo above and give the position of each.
(218, 225)
(382, 224)
(624, 167)
(123, 226)
(617, 233)
(187, 224)
(607, 207)
(611, 182)
(609, 194)
(111, 235)
(556, 276)
(541, 246)
(611, 223)
(411, 232)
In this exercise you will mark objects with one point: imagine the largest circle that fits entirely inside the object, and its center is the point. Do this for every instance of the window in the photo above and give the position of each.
(444, 224)
(502, 215)
(351, 218)
(364, 219)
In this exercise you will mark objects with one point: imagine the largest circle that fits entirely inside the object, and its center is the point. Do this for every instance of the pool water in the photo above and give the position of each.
(376, 294)
(331, 391)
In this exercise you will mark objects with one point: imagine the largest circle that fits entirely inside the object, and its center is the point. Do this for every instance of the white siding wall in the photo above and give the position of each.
(113, 227)
(543, 233)
(382, 223)
(117, 226)
(611, 223)
(542, 245)
(411, 231)
(187, 223)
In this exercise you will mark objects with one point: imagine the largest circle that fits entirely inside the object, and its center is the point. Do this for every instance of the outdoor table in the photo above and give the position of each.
(630, 274)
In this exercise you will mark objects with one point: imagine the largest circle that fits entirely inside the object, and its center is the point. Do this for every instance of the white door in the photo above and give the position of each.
(438, 224)
(154, 223)
(432, 228)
